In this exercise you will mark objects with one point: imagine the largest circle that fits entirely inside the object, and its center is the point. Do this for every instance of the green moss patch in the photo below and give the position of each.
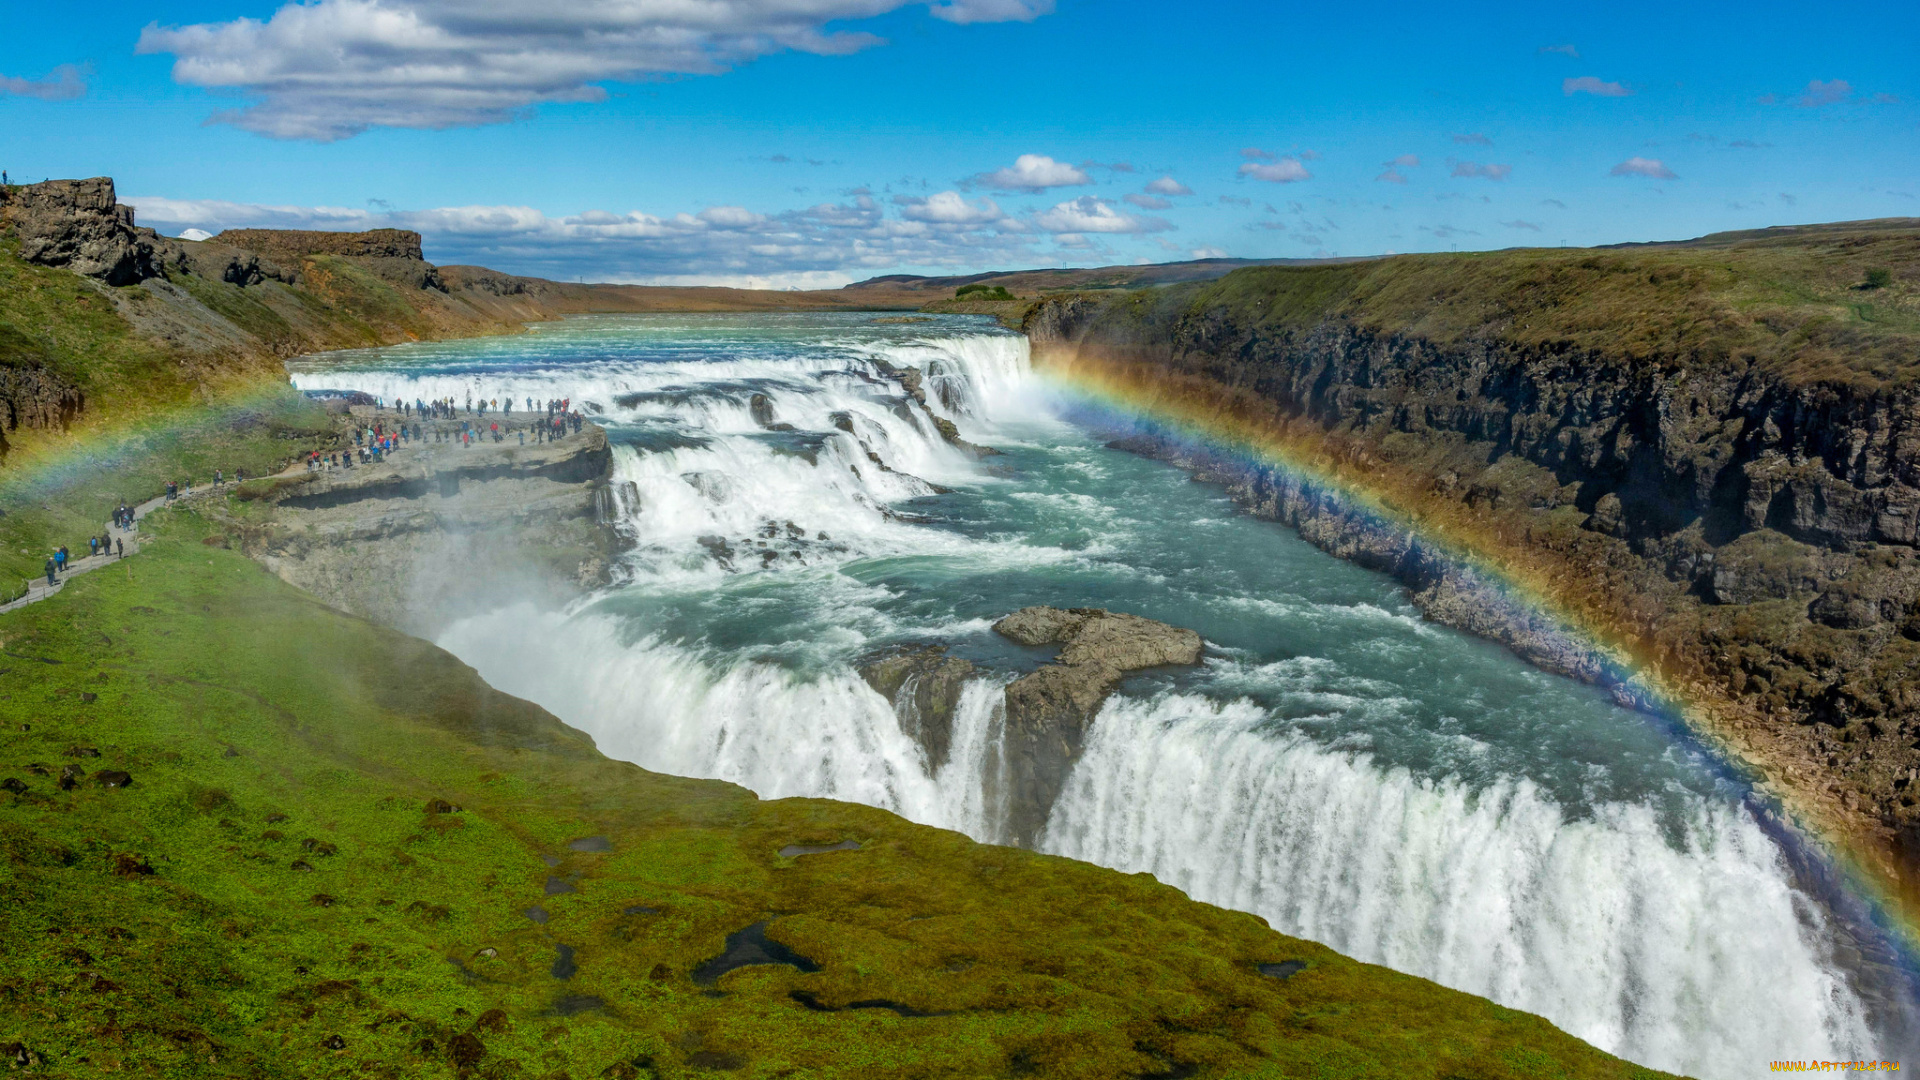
(322, 856)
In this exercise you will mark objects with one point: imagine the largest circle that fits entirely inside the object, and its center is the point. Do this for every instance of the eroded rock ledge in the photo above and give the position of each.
(1048, 711)
(441, 529)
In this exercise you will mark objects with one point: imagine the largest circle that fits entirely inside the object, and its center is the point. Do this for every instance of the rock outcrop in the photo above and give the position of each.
(1049, 711)
(441, 529)
(923, 683)
(80, 226)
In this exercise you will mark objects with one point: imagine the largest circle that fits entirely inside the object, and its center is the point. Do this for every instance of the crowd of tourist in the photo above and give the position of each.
(439, 421)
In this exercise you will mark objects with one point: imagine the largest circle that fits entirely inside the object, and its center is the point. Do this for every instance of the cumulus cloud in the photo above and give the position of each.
(1209, 253)
(1651, 168)
(64, 83)
(1820, 93)
(331, 69)
(1471, 138)
(1031, 173)
(1564, 50)
(1484, 172)
(1587, 84)
(949, 208)
(1285, 170)
(717, 245)
(1149, 202)
(1088, 214)
(1167, 185)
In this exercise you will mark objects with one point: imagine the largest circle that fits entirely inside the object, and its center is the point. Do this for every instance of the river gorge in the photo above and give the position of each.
(798, 493)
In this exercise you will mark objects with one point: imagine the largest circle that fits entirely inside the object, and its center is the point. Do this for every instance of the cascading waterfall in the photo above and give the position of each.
(792, 509)
(1602, 924)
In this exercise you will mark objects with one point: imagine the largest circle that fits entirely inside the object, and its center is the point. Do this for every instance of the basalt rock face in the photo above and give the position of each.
(393, 254)
(1754, 530)
(79, 225)
(1049, 711)
(33, 397)
(923, 683)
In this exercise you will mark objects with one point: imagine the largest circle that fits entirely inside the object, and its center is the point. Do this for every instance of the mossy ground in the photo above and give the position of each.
(1792, 303)
(264, 733)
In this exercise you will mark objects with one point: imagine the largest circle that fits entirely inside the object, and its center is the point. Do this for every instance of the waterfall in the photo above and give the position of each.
(1692, 957)
(772, 493)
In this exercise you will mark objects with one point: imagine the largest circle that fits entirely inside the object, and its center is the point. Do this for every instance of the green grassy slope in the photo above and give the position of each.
(320, 866)
(1789, 302)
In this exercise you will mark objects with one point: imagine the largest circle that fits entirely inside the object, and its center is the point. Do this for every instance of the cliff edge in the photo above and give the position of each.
(1709, 452)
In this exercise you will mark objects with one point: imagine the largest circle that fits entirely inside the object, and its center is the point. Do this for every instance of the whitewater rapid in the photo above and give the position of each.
(791, 509)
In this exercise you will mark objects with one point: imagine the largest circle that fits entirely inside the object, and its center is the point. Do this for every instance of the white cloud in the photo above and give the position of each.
(1149, 202)
(949, 208)
(1485, 172)
(1209, 253)
(1088, 214)
(1651, 168)
(1286, 170)
(727, 244)
(1820, 93)
(331, 69)
(982, 11)
(1031, 173)
(1167, 185)
(1393, 175)
(64, 83)
(1587, 84)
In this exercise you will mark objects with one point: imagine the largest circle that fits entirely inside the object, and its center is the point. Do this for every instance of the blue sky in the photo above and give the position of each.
(813, 142)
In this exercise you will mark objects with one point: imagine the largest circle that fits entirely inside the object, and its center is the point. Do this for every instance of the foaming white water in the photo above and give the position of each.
(679, 711)
(1692, 952)
(1697, 959)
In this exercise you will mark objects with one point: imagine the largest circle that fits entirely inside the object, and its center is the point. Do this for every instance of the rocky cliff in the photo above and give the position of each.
(1047, 711)
(1709, 451)
(439, 528)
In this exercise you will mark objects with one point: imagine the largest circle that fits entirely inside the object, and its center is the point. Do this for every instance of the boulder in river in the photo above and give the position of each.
(924, 684)
(1049, 711)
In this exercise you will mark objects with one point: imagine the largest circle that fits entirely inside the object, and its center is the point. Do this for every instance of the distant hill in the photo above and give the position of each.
(1060, 279)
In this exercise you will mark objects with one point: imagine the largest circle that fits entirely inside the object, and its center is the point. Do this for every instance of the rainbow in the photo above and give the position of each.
(54, 464)
(1217, 425)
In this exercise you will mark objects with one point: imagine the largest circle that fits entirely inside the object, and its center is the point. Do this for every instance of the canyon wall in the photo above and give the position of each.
(1730, 494)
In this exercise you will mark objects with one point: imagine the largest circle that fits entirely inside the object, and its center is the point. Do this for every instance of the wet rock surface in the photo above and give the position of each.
(923, 683)
(1049, 710)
